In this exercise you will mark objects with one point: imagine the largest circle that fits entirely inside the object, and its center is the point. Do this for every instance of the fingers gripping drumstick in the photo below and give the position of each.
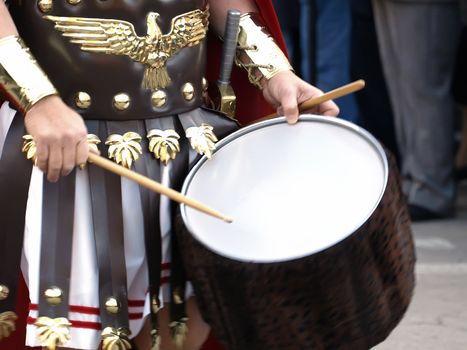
(331, 95)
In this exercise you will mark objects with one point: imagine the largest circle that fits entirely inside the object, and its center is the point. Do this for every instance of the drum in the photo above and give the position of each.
(320, 253)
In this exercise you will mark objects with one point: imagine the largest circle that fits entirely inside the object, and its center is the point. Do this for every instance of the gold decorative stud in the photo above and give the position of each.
(7, 323)
(112, 305)
(52, 332)
(121, 102)
(188, 91)
(4, 292)
(205, 85)
(115, 339)
(164, 144)
(82, 100)
(124, 149)
(158, 98)
(73, 2)
(53, 295)
(45, 5)
(154, 305)
(202, 139)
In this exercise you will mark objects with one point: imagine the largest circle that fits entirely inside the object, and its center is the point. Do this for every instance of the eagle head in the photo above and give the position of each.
(154, 32)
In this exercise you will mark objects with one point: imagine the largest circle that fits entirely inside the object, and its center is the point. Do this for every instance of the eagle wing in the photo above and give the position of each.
(187, 30)
(108, 36)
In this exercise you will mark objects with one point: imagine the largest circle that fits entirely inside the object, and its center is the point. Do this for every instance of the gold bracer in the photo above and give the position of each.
(21, 78)
(257, 51)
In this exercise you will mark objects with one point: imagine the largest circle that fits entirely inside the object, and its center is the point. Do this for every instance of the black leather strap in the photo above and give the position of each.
(106, 198)
(177, 272)
(152, 229)
(15, 174)
(58, 205)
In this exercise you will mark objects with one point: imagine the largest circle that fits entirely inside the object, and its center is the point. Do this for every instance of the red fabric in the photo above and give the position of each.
(250, 106)
(17, 339)
(250, 102)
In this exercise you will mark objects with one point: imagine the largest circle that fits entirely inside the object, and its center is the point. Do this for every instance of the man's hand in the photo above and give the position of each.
(285, 91)
(60, 136)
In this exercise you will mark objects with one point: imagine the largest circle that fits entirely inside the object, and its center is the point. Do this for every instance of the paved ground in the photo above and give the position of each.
(437, 317)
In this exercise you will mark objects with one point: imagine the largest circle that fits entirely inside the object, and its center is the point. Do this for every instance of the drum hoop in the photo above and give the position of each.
(281, 120)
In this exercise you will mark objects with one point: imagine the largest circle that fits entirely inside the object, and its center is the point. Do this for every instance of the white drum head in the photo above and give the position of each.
(292, 190)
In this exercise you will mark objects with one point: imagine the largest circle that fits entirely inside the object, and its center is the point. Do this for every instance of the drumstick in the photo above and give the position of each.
(154, 186)
(331, 95)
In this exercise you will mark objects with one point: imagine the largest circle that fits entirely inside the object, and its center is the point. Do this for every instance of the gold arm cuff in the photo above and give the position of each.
(21, 78)
(257, 51)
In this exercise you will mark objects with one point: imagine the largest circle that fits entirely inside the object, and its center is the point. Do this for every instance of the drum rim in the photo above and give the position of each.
(281, 120)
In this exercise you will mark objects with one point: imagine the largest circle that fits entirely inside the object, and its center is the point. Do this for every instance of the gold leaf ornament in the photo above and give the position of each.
(179, 331)
(155, 339)
(202, 139)
(7, 324)
(164, 144)
(29, 148)
(124, 149)
(53, 332)
(93, 141)
(115, 339)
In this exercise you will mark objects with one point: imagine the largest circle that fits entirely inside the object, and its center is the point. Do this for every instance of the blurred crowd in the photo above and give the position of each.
(413, 56)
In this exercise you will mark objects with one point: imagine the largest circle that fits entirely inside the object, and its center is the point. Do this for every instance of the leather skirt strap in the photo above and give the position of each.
(15, 174)
(152, 234)
(58, 205)
(106, 197)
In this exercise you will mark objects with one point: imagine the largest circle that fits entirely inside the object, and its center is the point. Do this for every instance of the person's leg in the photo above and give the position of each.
(333, 35)
(418, 45)
(461, 156)
(373, 101)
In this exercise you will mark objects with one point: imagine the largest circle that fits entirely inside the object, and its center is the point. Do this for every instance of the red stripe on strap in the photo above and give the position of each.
(75, 324)
(89, 325)
(135, 303)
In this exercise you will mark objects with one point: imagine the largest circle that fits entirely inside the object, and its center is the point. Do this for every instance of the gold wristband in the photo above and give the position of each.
(21, 78)
(257, 51)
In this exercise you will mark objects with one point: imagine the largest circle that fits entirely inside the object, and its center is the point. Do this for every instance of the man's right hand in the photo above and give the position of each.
(60, 136)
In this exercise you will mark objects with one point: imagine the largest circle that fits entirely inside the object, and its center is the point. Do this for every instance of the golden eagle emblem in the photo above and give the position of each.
(117, 37)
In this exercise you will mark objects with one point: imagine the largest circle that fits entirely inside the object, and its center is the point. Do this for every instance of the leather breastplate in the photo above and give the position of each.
(108, 86)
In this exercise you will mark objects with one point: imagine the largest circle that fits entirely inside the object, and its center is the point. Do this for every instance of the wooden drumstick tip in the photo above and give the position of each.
(228, 219)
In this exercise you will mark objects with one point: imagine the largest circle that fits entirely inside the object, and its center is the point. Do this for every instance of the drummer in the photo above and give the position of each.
(94, 84)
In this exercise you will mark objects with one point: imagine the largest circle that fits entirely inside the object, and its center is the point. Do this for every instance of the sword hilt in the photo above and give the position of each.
(230, 46)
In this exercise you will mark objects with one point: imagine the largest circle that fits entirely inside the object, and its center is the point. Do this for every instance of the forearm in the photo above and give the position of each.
(219, 8)
(7, 27)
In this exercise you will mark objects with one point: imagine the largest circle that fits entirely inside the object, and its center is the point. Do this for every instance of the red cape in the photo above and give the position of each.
(250, 106)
